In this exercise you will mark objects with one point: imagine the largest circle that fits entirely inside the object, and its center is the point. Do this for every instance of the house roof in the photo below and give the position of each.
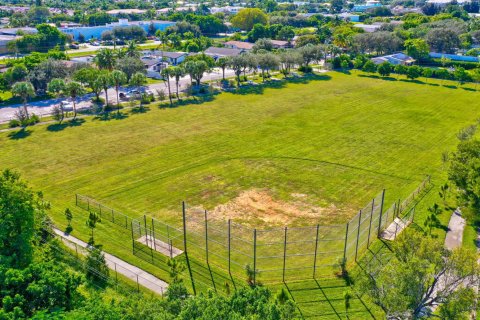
(279, 42)
(395, 58)
(240, 44)
(223, 52)
(172, 55)
(150, 62)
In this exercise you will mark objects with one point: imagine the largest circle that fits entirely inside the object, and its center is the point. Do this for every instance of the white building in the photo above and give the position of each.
(226, 9)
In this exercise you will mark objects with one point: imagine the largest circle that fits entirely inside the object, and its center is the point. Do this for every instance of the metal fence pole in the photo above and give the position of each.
(381, 213)
(154, 238)
(284, 253)
(254, 256)
(370, 225)
(146, 233)
(100, 209)
(76, 199)
(229, 246)
(113, 217)
(76, 249)
(138, 284)
(116, 275)
(185, 246)
(315, 253)
(133, 240)
(88, 204)
(171, 248)
(206, 236)
(346, 241)
(358, 234)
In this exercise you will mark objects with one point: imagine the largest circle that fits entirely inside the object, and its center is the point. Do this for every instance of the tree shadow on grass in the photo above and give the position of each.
(278, 84)
(372, 76)
(139, 110)
(469, 89)
(450, 86)
(412, 81)
(114, 115)
(20, 134)
(198, 99)
(61, 126)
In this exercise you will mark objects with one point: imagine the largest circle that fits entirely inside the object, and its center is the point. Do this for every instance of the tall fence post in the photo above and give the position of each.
(113, 217)
(100, 209)
(146, 233)
(88, 204)
(315, 254)
(370, 225)
(254, 256)
(381, 213)
(138, 284)
(358, 234)
(185, 246)
(284, 253)
(206, 236)
(133, 240)
(229, 246)
(346, 241)
(76, 199)
(154, 238)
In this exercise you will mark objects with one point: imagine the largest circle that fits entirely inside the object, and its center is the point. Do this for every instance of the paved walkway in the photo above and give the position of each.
(132, 272)
(456, 225)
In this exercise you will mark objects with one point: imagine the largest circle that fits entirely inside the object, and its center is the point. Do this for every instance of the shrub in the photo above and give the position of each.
(14, 123)
(305, 69)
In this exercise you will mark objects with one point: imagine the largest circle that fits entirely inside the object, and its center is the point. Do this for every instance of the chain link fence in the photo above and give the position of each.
(274, 255)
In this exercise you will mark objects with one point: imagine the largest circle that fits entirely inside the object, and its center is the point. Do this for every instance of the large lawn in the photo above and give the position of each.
(332, 143)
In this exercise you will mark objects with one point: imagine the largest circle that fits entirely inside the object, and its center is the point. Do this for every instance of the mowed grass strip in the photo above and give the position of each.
(339, 139)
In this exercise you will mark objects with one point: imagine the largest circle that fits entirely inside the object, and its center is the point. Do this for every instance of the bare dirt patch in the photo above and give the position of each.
(258, 206)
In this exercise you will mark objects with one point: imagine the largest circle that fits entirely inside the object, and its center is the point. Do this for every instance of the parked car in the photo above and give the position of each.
(74, 46)
(124, 96)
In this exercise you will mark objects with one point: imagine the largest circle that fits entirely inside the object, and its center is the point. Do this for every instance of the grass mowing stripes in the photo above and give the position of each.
(338, 139)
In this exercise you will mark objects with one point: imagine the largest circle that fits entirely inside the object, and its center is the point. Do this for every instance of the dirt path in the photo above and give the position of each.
(132, 272)
(456, 226)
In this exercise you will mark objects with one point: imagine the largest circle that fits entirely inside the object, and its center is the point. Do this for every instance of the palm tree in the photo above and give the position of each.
(56, 87)
(222, 63)
(132, 50)
(24, 90)
(163, 37)
(105, 81)
(138, 80)
(166, 74)
(118, 78)
(74, 89)
(105, 59)
(178, 72)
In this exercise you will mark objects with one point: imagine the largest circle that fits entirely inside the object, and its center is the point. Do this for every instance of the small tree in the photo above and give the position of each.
(369, 67)
(105, 81)
(92, 221)
(166, 74)
(427, 73)
(385, 69)
(69, 217)
(74, 89)
(178, 72)
(24, 90)
(222, 63)
(96, 266)
(56, 87)
(414, 72)
(251, 276)
(118, 79)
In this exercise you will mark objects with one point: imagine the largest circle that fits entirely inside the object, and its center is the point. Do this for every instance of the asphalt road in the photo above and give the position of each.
(44, 108)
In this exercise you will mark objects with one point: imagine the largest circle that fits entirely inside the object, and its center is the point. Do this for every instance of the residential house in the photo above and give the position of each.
(226, 9)
(172, 58)
(344, 16)
(241, 45)
(116, 12)
(368, 5)
(4, 40)
(154, 67)
(444, 3)
(395, 59)
(368, 27)
(280, 44)
(216, 53)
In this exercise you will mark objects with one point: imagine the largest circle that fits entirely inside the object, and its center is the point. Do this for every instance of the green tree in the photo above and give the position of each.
(74, 89)
(24, 90)
(427, 73)
(130, 66)
(222, 63)
(56, 87)
(413, 72)
(178, 72)
(417, 48)
(131, 50)
(93, 219)
(384, 69)
(105, 59)
(166, 73)
(369, 67)
(118, 79)
(96, 268)
(19, 206)
(461, 75)
(246, 18)
(105, 81)
(196, 70)
(420, 275)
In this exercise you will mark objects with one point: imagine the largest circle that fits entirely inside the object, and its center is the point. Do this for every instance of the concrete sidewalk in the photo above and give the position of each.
(456, 225)
(132, 272)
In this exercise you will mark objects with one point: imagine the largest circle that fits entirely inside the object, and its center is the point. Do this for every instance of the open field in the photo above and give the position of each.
(305, 153)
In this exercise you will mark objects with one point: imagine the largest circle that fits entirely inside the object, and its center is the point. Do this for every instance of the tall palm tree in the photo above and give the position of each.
(138, 80)
(105, 81)
(222, 63)
(166, 74)
(24, 90)
(163, 37)
(118, 78)
(132, 50)
(178, 72)
(56, 87)
(74, 89)
(105, 59)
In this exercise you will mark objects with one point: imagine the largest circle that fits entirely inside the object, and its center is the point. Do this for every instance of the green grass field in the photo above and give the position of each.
(333, 141)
